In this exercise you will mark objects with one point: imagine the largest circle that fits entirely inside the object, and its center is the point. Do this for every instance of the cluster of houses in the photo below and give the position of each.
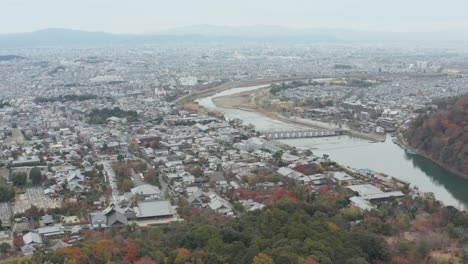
(198, 157)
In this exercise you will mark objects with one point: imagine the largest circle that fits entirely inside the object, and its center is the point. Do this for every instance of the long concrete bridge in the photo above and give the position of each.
(303, 134)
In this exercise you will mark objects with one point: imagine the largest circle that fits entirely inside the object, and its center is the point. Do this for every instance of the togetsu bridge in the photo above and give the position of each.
(303, 134)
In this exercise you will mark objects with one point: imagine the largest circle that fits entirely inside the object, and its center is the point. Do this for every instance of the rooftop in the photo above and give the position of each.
(154, 209)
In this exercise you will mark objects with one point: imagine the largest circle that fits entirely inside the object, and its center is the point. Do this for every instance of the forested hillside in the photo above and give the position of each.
(325, 230)
(443, 134)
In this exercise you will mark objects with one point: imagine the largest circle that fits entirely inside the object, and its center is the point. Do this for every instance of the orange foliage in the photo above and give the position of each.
(310, 260)
(104, 247)
(145, 260)
(74, 253)
(308, 169)
(325, 189)
(334, 196)
(332, 226)
(397, 260)
(92, 235)
(182, 255)
(280, 193)
(422, 225)
(262, 258)
(131, 254)
(18, 241)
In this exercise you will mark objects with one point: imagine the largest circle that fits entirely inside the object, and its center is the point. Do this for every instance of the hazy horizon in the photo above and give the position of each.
(146, 16)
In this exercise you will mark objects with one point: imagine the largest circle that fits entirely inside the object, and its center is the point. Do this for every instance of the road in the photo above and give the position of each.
(112, 180)
(136, 178)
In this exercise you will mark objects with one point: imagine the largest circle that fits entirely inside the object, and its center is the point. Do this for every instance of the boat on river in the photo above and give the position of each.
(407, 150)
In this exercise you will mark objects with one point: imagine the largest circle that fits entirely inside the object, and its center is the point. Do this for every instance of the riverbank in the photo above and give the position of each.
(247, 101)
(401, 141)
(243, 100)
(190, 98)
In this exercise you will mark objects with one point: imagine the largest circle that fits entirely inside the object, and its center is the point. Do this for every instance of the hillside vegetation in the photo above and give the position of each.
(322, 230)
(443, 134)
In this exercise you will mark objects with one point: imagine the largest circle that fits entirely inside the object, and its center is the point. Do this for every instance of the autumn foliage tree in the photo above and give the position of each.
(73, 253)
(145, 260)
(262, 258)
(131, 254)
(104, 249)
(443, 134)
(182, 255)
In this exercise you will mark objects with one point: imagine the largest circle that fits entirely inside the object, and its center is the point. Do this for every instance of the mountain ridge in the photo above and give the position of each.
(225, 34)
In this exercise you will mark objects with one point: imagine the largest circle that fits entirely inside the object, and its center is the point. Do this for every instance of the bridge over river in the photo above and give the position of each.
(271, 135)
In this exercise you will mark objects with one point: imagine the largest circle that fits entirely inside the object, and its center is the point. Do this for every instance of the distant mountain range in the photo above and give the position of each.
(227, 34)
(10, 57)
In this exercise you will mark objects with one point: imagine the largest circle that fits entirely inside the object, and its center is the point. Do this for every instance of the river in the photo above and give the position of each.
(386, 157)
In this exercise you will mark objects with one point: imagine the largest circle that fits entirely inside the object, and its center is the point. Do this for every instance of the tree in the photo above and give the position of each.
(140, 130)
(262, 258)
(4, 247)
(197, 171)
(182, 255)
(35, 175)
(293, 151)
(397, 260)
(278, 155)
(422, 249)
(310, 260)
(202, 233)
(133, 145)
(120, 157)
(374, 246)
(32, 212)
(73, 253)
(250, 127)
(145, 260)
(104, 248)
(18, 241)
(19, 178)
(7, 192)
(357, 260)
(131, 253)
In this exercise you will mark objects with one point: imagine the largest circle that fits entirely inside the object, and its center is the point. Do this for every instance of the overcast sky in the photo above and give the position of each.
(145, 16)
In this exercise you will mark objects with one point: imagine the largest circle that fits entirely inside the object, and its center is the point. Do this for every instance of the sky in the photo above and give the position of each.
(149, 16)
